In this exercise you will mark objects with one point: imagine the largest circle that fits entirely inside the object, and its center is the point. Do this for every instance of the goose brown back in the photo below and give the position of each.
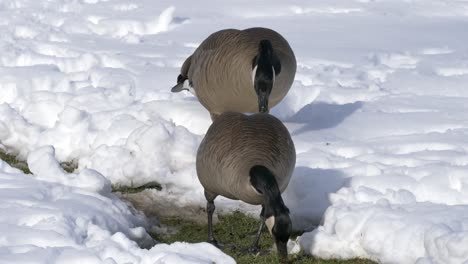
(235, 143)
(221, 70)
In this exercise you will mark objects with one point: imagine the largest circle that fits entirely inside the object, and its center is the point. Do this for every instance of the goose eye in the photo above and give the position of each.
(180, 78)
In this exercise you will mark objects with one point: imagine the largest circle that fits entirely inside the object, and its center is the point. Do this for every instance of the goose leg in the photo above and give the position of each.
(210, 208)
(254, 248)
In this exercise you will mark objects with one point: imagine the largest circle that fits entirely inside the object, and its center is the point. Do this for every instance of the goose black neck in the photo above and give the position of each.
(264, 62)
(264, 182)
(264, 74)
(265, 52)
(266, 59)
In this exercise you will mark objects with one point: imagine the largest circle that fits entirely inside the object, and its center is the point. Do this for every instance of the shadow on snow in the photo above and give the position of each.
(322, 115)
(307, 194)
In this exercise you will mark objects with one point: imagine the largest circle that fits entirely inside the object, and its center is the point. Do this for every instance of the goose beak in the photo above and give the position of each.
(282, 251)
(263, 102)
(178, 88)
(182, 84)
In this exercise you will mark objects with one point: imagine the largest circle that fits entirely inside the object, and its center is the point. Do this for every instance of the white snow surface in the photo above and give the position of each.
(55, 217)
(378, 113)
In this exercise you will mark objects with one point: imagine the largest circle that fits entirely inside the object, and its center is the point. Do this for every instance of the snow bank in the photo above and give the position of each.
(55, 217)
(395, 229)
(377, 113)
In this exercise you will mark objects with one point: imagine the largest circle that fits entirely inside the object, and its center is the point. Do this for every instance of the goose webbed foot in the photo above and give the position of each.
(256, 251)
(251, 250)
(215, 243)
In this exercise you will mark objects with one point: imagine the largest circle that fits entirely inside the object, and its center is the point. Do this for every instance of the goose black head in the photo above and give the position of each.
(265, 67)
(183, 83)
(275, 212)
(280, 227)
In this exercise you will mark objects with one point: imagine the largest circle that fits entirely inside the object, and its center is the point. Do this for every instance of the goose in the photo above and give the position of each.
(248, 70)
(249, 158)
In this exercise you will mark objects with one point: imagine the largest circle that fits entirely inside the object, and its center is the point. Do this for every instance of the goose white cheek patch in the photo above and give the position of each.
(274, 74)
(270, 222)
(187, 86)
(255, 190)
(254, 71)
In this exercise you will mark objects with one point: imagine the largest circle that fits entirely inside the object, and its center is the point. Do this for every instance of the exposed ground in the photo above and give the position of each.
(235, 230)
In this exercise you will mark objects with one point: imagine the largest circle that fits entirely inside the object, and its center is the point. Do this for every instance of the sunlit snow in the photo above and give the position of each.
(378, 113)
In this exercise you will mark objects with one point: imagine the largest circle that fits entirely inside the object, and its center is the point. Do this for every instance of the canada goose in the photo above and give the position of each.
(234, 70)
(249, 158)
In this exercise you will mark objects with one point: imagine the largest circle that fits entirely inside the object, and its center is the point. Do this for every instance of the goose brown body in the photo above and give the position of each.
(220, 69)
(234, 144)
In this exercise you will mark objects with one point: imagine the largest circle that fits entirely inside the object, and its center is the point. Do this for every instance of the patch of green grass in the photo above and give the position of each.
(13, 161)
(69, 166)
(131, 189)
(236, 232)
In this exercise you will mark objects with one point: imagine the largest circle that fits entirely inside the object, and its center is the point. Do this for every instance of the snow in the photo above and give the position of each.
(377, 112)
(55, 217)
